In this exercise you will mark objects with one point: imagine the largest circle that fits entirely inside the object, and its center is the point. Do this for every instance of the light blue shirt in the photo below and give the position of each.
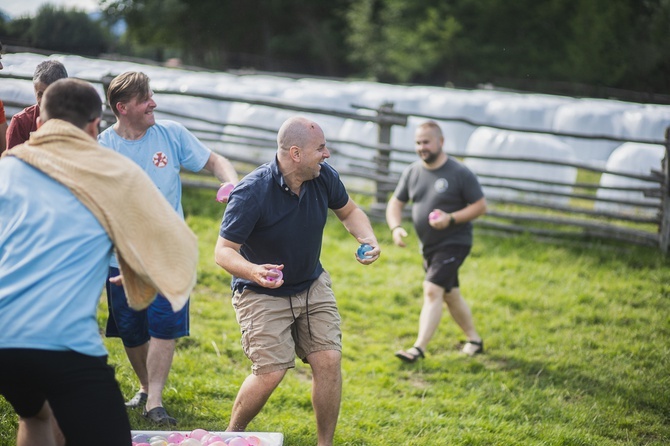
(54, 256)
(166, 147)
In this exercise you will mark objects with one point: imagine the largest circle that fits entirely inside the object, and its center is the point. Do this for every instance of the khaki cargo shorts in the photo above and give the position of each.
(277, 329)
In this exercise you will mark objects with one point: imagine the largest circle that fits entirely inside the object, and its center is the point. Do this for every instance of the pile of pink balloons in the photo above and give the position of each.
(197, 437)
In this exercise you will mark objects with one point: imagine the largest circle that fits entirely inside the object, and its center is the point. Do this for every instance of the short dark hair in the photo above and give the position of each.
(49, 72)
(126, 86)
(434, 126)
(71, 100)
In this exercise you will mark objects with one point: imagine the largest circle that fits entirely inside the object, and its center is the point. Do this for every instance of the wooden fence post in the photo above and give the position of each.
(108, 116)
(664, 229)
(386, 118)
(384, 154)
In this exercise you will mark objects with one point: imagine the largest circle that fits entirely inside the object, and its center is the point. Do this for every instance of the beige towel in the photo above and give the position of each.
(156, 249)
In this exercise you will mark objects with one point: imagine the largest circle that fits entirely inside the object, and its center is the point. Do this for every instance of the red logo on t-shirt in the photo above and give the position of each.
(160, 159)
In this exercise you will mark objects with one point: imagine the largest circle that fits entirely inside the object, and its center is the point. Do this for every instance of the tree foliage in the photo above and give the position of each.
(266, 34)
(68, 31)
(65, 30)
(608, 43)
(615, 43)
(397, 40)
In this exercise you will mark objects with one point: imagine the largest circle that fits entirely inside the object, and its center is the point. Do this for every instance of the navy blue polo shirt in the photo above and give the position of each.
(276, 226)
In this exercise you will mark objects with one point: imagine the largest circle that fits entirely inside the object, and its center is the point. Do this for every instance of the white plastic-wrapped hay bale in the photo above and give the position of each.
(525, 111)
(510, 179)
(321, 94)
(252, 129)
(374, 94)
(258, 86)
(351, 136)
(592, 117)
(648, 122)
(193, 112)
(16, 91)
(636, 159)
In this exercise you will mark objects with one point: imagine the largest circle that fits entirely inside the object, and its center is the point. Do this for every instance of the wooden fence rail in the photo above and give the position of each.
(519, 204)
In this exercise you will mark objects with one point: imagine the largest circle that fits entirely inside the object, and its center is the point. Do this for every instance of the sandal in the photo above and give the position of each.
(407, 356)
(140, 399)
(472, 348)
(159, 416)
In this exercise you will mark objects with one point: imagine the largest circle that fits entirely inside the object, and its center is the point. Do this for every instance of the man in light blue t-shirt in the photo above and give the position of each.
(54, 257)
(161, 149)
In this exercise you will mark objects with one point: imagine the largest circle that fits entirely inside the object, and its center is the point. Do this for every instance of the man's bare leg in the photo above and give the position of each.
(326, 392)
(460, 312)
(431, 313)
(138, 360)
(252, 396)
(158, 364)
(41, 429)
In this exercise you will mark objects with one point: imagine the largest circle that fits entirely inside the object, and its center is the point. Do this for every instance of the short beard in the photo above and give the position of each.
(431, 158)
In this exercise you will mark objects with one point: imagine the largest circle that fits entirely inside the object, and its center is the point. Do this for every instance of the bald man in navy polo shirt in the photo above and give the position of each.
(270, 242)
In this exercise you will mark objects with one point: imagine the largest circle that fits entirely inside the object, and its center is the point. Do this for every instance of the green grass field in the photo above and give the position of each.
(577, 348)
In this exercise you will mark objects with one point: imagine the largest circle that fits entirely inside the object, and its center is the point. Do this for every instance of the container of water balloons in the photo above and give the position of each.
(203, 437)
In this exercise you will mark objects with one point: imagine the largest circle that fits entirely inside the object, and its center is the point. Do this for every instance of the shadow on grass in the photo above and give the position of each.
(594, 250)
(574, 384)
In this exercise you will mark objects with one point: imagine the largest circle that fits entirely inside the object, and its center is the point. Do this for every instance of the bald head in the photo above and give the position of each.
(297, 131)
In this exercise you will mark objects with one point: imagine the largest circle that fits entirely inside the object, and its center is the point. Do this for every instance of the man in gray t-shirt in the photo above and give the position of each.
(446, 197)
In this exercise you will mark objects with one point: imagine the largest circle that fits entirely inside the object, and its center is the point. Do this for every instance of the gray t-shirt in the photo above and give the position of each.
(449, 188)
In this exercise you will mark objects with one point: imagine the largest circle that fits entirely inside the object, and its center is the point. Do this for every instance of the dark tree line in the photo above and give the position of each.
(277, 35)
(58, 29)
(533, 43)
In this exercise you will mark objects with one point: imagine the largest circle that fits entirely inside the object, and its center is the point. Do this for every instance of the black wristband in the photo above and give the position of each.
(395, 227)
(452, 220)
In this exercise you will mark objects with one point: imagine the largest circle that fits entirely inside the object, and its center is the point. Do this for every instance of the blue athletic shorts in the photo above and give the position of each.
(137, 327)
(442, 266)
(82, 392)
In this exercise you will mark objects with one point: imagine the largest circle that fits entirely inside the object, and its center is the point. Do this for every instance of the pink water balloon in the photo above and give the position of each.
(224, 192)
(254, 440)
(198, 434)
(238, 441)
(277, 279)
(175, 437)
(211, 440)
